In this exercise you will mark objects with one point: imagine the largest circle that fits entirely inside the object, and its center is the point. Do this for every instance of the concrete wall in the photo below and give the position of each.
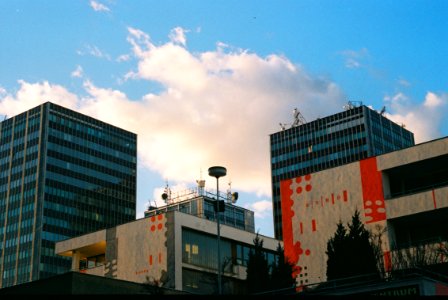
(141, 250)
(312, 205)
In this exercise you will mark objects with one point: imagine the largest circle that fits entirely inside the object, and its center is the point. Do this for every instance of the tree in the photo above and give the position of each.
(282, 270)
(257, 268)
(350, 251)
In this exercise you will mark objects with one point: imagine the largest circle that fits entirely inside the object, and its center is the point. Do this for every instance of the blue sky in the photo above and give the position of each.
(205, 83)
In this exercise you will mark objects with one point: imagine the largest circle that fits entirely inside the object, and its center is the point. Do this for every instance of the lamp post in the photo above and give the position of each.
(217, 172)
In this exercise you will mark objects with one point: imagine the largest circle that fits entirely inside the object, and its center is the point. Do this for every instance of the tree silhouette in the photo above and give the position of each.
(350, 252)
(282, 270)
(257, 268)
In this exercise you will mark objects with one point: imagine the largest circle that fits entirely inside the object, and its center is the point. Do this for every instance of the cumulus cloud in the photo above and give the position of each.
(77, 72)
(216, 108)
(423, 119)
(97, 6)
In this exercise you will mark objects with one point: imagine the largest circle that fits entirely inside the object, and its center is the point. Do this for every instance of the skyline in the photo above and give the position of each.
(206, 83)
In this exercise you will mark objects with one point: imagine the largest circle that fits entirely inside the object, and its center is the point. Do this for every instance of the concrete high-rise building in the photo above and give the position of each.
(356, 133)
(62, 174)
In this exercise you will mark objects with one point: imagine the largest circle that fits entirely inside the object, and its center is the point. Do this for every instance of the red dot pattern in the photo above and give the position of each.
(158, 223)
(308, 186)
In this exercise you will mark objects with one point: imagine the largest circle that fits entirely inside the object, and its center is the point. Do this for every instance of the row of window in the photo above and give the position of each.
(93, 144)
(200, 249)
(99, 133)
(319, 160)
(79, 155)
(327, 145)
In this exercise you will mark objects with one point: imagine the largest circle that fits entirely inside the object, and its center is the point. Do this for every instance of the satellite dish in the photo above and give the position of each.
(164, 196)
(234, 197)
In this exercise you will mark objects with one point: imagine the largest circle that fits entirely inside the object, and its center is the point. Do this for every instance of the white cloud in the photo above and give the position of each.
(177, 36)
(123, 57)
(261, 209)
(353, 58)
(423, 119)
(93, 51)
(33, 94)
(217, 108)
(97, 6)
(78, 72)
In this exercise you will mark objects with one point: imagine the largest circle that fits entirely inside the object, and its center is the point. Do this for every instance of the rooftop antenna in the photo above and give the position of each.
(351, 105)
(201, 183)
(231, 197)
(166, 195)
(383, 110)
(298, 120)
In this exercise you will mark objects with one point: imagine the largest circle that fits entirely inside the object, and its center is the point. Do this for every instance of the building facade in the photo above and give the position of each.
(62, 174)
(173, 247)
(402, 195)
(356, 133)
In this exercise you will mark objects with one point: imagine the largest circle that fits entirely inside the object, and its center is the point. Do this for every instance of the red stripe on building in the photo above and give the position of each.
(313, 224)
(387, 261)
(372, 190)
(434, 199)
(287, 216)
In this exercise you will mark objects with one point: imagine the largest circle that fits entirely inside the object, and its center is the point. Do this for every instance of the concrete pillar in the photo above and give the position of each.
(75, 260)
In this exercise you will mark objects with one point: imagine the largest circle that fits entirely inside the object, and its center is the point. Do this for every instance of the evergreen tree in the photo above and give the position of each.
(282, 269)
(336, 253)
(363, 260)
(257, 268)
(350, 253)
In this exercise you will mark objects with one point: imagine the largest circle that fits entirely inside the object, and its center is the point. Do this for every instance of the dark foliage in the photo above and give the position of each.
(282, 269)
(350, 252)
(257, 268)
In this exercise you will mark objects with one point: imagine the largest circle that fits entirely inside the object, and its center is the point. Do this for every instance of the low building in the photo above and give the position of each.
(171, 247)
(403, 194)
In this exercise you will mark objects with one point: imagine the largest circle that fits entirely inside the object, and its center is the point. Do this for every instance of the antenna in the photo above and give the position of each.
(383, 110)
(231, 197)
(298, 120)
(166, 195)
(351, 105)
(201, 183)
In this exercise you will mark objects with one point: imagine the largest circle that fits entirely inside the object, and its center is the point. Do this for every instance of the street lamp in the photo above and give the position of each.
(217, 172)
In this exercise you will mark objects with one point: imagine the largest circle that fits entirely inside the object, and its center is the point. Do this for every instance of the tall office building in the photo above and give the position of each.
(356, 133)
(62, 174)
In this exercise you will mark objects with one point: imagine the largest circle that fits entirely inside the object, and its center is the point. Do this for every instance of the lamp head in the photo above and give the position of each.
(217, 171)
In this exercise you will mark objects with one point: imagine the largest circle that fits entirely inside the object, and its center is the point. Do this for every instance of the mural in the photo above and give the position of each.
(313, 204)
(146, 259)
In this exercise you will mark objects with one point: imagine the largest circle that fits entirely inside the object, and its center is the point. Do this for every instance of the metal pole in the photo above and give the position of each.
(219, 235)
(217, 172)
